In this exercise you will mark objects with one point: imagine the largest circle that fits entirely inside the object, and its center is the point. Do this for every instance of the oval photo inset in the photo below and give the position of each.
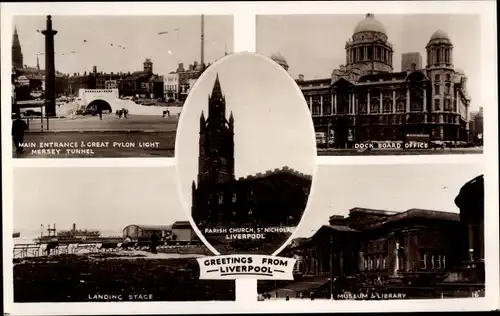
(245, 155)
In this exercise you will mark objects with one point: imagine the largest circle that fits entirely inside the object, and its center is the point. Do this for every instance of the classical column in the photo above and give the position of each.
(408, 99)
(349, 103)
(366, 53)
(381, 106)
(321, 105)
(353, 103)
(368, 103)
(50, 72)
(393, 101)
(335, 103)
(425, 99)
(331, 104)
(311, 104)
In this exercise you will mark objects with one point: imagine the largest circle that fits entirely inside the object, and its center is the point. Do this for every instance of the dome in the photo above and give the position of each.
(439, 34)
(369, 24)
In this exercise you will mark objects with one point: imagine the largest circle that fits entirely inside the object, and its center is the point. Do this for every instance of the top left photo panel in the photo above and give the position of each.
(107, 86)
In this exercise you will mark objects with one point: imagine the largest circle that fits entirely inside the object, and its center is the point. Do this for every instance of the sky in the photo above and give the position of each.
(273, 127)
(107, 199)
(386, 187)
(314, 45)
(138, 34)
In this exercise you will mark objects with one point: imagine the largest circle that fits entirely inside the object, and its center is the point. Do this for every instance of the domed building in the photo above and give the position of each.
(280, 60)
(365, 100)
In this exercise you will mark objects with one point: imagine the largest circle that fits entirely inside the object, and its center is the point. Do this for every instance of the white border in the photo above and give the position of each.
(245, 40)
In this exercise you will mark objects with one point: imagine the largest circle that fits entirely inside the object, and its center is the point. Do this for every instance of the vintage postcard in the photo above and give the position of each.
(235, 157)
(384, 84)
(107, 86)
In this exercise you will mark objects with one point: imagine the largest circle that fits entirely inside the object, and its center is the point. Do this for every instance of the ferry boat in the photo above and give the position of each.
(74, 236)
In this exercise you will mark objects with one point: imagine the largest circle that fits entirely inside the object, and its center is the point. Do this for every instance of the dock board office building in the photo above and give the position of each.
(367, 100)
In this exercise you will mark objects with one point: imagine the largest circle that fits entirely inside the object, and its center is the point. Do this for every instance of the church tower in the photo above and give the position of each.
(17, 55)
(216, 153)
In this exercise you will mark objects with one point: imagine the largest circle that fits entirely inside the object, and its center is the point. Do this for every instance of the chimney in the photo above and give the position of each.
(337, 220)
(195, 65)
(94, 69)
(301, 77)
(74, 227)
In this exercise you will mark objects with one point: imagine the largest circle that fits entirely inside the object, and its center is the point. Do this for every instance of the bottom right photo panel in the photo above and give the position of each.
(379, 232)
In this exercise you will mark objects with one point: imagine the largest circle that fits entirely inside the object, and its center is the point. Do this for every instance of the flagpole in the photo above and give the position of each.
(202, 42)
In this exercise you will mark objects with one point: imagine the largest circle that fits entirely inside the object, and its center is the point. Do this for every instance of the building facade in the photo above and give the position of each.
(422, 253)
(366, 100)
(276, 197)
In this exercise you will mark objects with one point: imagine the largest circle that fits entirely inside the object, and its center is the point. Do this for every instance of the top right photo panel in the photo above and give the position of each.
(398, 84)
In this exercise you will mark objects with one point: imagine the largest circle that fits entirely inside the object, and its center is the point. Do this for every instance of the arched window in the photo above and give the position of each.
(437, 77)
(448, 77)
(437, 105)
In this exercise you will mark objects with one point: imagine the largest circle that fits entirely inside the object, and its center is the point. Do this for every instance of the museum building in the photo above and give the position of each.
(366, 100)
(273, 198)
(420, 252)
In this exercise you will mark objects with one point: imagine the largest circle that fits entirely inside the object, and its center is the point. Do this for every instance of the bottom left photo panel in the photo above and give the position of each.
(105, 234)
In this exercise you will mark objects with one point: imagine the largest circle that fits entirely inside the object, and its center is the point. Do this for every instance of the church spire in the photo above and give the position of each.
(217, 90)
(17, 55)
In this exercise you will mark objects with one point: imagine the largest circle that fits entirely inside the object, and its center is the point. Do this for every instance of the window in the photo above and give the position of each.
(400, 105)
(436, 89)
(448, 77)
(387, 105)
(220, 198)
(432, 262)
(384, 262)
(447, 88)
(374, 105)
(437, 77)
(234, 197)
(423, 260)
(438, 262)
(447, 105)
(437, 105)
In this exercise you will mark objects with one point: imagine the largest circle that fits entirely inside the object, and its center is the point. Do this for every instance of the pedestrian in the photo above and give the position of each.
(168, 113)
(19, 126)
(287, 297)
(154, 242)
(53, 244)
(125, 112)
(100, 113)
(164, 114)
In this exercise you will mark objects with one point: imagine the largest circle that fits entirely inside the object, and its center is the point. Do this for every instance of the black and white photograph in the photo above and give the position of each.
(392, 232)
(395, 84)
(116, 234)
(245, 155)
(107, 86)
